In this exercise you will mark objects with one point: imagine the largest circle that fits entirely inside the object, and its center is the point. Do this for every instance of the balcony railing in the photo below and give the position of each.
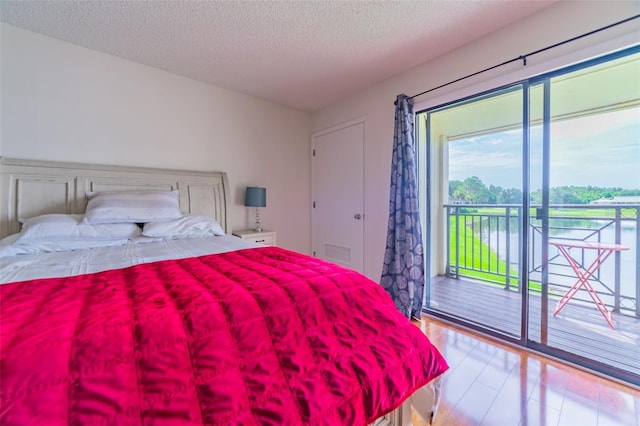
(484, 243)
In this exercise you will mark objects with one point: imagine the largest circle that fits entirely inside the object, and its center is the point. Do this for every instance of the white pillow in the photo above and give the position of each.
(69, 227)
(188, 226)
(138, 207)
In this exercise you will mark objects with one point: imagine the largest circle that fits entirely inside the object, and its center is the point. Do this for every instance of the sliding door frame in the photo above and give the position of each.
(523, 341)
(521, 86)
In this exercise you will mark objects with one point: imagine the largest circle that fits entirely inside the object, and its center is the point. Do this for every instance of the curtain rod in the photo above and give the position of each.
(523, 58)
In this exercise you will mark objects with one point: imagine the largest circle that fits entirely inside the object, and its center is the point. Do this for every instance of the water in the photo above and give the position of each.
(628, 258)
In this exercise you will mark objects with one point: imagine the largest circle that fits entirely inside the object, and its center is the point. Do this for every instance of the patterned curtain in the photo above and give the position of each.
(403, 269)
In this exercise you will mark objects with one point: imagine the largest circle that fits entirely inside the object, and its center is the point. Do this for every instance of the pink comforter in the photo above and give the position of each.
(253, 337)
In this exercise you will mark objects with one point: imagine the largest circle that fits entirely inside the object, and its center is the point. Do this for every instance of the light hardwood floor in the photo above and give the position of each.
(489, 383)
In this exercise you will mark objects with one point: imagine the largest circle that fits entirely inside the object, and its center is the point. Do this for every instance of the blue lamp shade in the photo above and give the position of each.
(255, 197)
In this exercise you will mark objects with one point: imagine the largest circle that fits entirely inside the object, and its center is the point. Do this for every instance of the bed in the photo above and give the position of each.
(181, 323)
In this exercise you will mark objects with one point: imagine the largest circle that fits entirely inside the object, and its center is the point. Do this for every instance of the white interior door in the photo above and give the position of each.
(338, 196)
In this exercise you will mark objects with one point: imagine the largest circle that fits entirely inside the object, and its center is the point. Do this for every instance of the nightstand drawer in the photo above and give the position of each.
(266, 238)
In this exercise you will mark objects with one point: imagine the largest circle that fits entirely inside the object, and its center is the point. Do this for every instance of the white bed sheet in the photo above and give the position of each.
(68, 263)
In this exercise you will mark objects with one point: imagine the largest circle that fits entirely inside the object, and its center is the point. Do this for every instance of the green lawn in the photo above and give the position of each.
(477, 260)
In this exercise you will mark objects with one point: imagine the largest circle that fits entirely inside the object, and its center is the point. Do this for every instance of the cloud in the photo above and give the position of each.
(601, 150)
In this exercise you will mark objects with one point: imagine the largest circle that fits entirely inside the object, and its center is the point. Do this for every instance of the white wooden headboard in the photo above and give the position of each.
(30, 188)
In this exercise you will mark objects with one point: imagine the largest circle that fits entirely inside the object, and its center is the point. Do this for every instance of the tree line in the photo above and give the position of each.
(473, 191)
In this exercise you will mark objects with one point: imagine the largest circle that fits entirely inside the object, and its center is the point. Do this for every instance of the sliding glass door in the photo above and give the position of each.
(532, 201)
(585, 199)
(474, 155)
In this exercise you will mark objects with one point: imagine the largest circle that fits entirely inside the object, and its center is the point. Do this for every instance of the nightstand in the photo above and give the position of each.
(267, 238)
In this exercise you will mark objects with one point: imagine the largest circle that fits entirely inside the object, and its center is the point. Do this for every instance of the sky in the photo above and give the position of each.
(601, 150)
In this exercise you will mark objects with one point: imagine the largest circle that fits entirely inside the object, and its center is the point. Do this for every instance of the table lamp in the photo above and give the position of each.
(256, 197)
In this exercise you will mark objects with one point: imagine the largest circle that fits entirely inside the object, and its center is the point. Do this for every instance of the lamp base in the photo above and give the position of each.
(258, 227)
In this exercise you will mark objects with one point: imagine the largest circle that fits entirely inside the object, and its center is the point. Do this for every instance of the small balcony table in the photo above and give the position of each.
(584, 274)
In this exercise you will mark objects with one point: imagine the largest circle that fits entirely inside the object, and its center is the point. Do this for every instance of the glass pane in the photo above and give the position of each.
(594, 198)
(474, 159)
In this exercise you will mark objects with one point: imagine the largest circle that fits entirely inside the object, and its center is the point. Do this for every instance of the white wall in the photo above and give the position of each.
(561, 21)
(62, 102)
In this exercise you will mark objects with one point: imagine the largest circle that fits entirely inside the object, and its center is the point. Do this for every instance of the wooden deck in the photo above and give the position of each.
(578, 328)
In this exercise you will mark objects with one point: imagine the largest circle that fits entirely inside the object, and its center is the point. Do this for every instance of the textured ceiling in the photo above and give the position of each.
(303, 54)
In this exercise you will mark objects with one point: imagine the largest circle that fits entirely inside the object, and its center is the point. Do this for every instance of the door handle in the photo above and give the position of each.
(540, 214)
(357, 216)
